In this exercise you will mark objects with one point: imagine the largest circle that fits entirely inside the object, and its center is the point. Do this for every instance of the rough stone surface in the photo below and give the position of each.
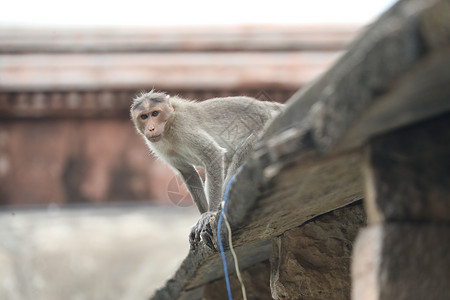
(435, 26)
(388, 48)
(306, 188)
(313, 261)
(402, 262)
(256, 280)
(203, 266)
(409, 173)
(90, 253)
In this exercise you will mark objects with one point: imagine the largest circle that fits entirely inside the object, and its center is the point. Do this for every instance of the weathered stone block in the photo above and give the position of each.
(435, 26)
(313, 261)
(256, 281)
(402, 262)
(408, 173)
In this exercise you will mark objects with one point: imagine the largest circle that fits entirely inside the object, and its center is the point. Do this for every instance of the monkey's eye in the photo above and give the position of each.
(143, 116)
(155, 113)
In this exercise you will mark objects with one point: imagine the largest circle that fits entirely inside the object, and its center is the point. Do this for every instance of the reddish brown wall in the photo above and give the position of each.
(58, 161)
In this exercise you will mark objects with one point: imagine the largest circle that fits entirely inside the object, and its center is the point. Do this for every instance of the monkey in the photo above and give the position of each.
(215, 134)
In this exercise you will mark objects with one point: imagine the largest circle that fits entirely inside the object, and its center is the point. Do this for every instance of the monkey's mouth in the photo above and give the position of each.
(155, 138)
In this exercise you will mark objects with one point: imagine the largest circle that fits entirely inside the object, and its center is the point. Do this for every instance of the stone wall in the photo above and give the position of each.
(404, 253)
(374, 127)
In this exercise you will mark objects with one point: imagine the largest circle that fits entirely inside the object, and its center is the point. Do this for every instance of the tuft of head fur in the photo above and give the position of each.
(153, 96)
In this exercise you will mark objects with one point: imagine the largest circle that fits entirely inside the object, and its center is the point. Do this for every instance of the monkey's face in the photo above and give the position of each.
(151, 118)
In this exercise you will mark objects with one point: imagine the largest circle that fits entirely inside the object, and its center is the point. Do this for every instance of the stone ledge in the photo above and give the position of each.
(402, 262)
(309, 161)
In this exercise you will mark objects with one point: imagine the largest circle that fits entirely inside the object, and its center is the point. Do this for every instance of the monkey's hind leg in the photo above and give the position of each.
(239, 157)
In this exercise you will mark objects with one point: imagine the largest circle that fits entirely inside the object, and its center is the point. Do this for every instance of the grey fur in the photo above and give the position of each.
(216, 134)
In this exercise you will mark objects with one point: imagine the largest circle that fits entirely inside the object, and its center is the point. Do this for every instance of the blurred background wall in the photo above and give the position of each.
(68, 73)
(65, 133)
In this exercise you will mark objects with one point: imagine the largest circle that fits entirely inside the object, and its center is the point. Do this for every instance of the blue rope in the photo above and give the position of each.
(224, 259)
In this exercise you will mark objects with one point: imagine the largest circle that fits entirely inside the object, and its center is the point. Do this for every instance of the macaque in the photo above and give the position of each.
(215, 134)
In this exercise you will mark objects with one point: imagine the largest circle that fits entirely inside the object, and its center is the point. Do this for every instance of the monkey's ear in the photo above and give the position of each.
(169, 104)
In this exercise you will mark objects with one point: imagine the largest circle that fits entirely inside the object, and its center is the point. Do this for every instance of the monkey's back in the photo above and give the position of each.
(234, 119)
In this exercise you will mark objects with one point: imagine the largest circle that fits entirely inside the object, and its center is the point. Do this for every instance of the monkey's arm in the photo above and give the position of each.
(195, 186)
(240, 155)
(213, 159)
(203, 228)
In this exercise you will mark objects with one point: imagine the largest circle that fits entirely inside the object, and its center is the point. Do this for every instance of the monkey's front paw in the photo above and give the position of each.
(202, 231)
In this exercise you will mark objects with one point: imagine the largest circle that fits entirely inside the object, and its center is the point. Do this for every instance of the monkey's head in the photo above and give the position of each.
(150, 113)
